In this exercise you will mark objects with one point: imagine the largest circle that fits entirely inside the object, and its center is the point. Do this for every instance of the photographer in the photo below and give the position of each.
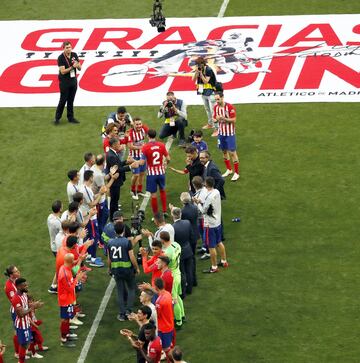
(174, 112)
(205, 81)
(210, 207)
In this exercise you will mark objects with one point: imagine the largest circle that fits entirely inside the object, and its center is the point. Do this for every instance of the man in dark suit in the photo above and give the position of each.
(183, 236)
(212, 170)
(112, 159)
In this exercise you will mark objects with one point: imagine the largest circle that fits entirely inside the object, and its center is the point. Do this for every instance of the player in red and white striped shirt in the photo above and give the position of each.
(13, 273)
(154, 154)
(225, 115)
(136, 140)
(22, 320)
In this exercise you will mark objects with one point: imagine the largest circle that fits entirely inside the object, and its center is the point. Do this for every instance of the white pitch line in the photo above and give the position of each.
(105, 300)
(94, 327)
(223, 8)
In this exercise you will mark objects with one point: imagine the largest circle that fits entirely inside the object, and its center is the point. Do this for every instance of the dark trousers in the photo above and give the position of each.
(114, 200)
(186, 268)
(103, 215)
(168, 130)
(67, 96)
(193, 248)
(125, 283)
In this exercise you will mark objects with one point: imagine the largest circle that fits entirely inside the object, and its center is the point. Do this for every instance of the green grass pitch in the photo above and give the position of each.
(291, 293)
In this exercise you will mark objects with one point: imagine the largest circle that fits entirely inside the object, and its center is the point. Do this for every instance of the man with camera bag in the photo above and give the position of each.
(174, 112)
(205, 81)
(211, 210)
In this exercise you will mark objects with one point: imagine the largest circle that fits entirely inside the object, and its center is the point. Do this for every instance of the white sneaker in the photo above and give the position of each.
(80, 315)
(73, 327)
(76, 321)
(71, 335)
(227, 173)
(141, 194)
(37, 355)
(135, 197)
(44, 349)
(235, 177)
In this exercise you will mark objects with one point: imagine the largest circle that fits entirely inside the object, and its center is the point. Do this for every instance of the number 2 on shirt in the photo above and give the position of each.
(156, 158)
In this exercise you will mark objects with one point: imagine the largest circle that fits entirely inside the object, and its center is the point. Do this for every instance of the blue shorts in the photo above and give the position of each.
(140, 169)
(212, 236)
(152, 181)
(227, 143)
(166, 339)
(24, 336)
(67, 312)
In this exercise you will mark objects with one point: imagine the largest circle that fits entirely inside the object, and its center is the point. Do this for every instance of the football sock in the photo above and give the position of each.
(227, 163)
(139, 188)
(133, 188)
(32, 348)
(154, 204)
(16, 343)
(22, 353)
(236, 167)
(163, 199)
(64, 328)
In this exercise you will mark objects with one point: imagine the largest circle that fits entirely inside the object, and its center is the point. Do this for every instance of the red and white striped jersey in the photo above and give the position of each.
(137, 138)
(154, 153)
(21, 301)
(227, 111)
(10, 291)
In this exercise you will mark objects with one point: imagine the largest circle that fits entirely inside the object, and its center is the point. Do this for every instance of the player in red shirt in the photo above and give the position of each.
(22, 321)
(166, 274)
(165, 314)
(154, 153)
(154, 347)
(37, 338)
(136, 141)
(13, 273)
(66, 296)
(150, 265)
(225, 115)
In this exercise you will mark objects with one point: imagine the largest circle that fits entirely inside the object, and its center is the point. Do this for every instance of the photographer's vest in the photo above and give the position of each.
(168, 116)
(206, 89)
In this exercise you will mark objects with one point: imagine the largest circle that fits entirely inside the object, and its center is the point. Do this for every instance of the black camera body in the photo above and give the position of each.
(136, 222)
(135, 227)
(169, 104)
(210, 211)
(157, 19)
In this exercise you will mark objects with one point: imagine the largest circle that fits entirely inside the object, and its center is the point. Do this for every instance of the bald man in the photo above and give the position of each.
(67, 281)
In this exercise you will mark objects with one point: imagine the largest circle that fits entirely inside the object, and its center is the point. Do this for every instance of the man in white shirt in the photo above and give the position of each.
(92, 200)
(54, 226)
(73, 185)
(89, 159)
(159, 221)
(211, 209)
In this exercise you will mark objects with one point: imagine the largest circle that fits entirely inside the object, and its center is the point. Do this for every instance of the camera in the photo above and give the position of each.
(210, 211)
(157, 19)
(169, 104)
(136, 222)
(135, 227)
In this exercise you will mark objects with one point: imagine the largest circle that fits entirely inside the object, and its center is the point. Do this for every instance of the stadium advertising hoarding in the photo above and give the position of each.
(313, 58)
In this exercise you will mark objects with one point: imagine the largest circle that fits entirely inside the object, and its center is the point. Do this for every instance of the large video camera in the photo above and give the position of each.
(135, 227)
(157, 18)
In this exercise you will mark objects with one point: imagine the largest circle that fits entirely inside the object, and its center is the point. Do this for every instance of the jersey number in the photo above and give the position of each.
(116, 252)
(156, 158)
